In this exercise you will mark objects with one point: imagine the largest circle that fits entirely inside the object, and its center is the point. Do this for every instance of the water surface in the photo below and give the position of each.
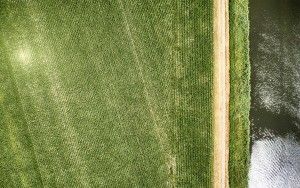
(275, 84)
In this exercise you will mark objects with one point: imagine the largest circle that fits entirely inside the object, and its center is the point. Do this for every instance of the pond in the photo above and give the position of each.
(275, 85)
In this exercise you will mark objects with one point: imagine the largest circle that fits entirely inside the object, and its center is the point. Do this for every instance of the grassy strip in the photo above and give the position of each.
(239, 93)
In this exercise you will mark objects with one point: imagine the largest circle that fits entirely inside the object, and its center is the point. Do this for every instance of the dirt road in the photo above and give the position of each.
(221, 94)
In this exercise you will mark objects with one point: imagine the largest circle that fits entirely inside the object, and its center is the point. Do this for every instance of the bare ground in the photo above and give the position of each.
(221, 95)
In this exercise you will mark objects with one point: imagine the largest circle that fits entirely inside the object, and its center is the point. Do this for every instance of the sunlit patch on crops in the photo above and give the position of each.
(1, 97)
(24, 56)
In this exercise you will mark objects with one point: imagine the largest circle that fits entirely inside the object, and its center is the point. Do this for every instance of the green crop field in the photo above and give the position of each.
(116, 93)
(109, 93)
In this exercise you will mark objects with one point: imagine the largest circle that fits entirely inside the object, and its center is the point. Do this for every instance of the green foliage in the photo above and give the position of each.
(239, 94)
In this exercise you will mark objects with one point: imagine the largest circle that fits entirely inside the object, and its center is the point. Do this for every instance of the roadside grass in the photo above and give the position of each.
(239, 94)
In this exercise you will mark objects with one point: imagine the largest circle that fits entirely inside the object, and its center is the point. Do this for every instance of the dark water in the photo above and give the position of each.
(275, 80)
